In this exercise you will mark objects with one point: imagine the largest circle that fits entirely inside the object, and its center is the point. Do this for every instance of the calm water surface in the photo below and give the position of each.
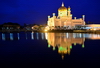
(49, 49)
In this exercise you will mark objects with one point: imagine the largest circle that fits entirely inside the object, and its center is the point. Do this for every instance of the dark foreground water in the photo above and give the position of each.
(69, 50)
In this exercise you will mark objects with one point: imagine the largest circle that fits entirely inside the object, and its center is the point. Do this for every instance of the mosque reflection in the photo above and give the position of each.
(64, 42)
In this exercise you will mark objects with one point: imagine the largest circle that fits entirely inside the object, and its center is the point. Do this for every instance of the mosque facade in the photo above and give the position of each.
(64, 19)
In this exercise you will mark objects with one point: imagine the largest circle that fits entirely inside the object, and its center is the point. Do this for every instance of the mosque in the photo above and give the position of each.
(64, 19)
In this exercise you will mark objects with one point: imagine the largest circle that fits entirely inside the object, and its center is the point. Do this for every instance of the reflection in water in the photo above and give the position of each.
(64, 41)
(67, 35)
(18, 36)
(46, 36)
(3, 36)
(11, 36)
(42, 35)
(32, 35)
(92, 36)
(37, 35)
(26, 35)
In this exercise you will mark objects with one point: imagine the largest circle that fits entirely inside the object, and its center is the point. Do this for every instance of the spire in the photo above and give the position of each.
(62, 4)
(69, 8)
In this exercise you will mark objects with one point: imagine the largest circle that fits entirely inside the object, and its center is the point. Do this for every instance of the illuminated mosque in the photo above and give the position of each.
(64, 19)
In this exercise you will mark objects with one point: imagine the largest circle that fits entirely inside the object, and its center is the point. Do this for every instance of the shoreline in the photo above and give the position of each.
(55, 31)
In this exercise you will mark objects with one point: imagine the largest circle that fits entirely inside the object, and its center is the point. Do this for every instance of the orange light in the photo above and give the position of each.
(94, 29)
(45, 30)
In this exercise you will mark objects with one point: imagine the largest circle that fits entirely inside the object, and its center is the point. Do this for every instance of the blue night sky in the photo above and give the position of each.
(36, 11)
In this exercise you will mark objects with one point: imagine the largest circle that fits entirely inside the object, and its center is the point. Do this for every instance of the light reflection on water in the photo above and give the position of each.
(3, 36)
(11, 36)
(37, 35)
(42, 35)
(62, 42)
(32, 35)
(18, 36)
(26, 35)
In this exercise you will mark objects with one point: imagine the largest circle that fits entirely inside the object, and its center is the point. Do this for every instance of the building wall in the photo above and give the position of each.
(65, 22)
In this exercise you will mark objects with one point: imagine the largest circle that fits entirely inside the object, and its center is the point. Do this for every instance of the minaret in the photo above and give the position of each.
(48, 17)
(48, 23)
(83, 17)
(69, 12)
(54, 15)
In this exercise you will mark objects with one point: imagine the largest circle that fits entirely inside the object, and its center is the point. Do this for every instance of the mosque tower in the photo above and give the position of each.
(69, 12)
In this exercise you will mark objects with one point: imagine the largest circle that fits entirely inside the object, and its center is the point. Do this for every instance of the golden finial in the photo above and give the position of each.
(62, 4)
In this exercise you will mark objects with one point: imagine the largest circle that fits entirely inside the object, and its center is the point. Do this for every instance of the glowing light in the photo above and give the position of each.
(48, 16)
(67, 35)
(94, 29)
(46, 35)
(53, 48)
(61, 48)
(62, 4)
(53, 14)
(83, 15)
(74, 43)
(83, 46)
(45, 30)
(49, 46)
(71, 47)
(74, 17)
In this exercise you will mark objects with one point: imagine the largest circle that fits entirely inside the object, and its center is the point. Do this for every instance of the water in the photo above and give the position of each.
(49, 49)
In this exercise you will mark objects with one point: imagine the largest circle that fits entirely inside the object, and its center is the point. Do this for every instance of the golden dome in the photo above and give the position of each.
(62, 8)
